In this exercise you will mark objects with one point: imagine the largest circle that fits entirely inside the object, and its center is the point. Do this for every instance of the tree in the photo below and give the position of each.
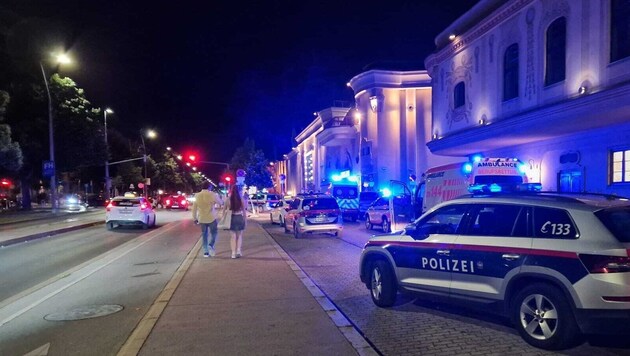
(10, 152)
(128, 173)
(167, 175)
(254, 163)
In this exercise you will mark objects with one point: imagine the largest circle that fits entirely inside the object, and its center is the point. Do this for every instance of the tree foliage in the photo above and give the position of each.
(254, 163)
(10, 152)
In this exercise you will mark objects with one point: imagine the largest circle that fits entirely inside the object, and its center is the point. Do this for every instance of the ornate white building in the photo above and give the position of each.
(547, 81)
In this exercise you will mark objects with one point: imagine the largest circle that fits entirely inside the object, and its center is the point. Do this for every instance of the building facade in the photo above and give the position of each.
(394, 126)
(546, 81)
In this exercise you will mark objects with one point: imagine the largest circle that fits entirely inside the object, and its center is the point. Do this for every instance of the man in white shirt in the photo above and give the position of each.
(204, 213)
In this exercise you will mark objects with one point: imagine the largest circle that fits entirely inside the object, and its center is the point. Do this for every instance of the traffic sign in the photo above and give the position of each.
(240, 173)
(140, 185)
(131, 186)
(48, 169)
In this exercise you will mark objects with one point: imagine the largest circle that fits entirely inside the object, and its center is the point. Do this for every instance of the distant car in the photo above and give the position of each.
(129, 211)
(378, 214)
(175, 202)
(264, 201)
(365, 200)
(73, 202)
(314, 214)
(279, 211)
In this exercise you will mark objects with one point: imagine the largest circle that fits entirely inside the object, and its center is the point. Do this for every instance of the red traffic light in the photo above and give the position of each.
(192, 157)
(5, 182)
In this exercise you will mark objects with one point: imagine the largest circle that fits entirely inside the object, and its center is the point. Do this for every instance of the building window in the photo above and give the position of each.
(459, 95)
(555, 51)
(619, 29)
(510, 72)
(620, 170)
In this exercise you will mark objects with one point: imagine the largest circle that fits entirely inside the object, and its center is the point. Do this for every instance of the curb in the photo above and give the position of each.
(48, 233)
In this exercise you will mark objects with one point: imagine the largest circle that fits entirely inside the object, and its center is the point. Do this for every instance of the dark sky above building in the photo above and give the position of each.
(208, 74)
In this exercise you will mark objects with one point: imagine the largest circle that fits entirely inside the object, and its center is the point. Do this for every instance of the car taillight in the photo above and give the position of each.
(109, 207)
(605, 264)
(184, 202)
(168, 202)
(143, 206)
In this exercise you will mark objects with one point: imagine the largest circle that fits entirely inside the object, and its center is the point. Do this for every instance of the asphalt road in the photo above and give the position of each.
(87, 271)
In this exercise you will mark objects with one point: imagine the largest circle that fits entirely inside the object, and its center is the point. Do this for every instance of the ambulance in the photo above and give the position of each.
(344, 187)
(450, 181)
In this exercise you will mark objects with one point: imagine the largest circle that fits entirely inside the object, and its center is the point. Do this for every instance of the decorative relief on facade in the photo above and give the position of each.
(442, 75)
(461, 73)
(553, 10)
(530, 78)
(486, 25)
(477, 59)
(491, 48)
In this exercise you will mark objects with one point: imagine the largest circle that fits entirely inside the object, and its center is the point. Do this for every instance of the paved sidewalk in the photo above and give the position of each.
(256, 304)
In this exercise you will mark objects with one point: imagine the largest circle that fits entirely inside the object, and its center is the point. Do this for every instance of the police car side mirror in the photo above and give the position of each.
(410, 229)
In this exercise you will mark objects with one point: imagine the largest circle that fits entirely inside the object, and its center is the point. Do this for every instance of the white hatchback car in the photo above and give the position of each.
(129, 211)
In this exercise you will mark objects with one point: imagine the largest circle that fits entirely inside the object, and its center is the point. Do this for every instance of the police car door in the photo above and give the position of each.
(491, 247)
(422, 256)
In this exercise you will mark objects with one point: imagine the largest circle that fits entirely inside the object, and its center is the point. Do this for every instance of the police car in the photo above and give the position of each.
(558, 265)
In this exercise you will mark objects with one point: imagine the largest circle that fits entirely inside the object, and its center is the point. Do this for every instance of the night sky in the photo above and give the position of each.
(209, 74)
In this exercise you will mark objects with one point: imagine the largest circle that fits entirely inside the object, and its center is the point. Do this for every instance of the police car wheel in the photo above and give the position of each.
(110, 226)
(544, 318)
(382, 285)
(271, 217)
(368, 223)
(386, 227)
(281, 221)
(296, 233)
(286, 229)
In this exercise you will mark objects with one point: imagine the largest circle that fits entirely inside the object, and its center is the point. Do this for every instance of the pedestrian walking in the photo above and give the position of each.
(237, 205)
(204, 213)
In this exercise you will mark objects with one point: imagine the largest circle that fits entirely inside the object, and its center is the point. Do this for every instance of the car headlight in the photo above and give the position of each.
(72, 200)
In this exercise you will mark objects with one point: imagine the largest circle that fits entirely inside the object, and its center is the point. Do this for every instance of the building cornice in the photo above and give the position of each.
(467, 33)
(312, 128)
(390, 79)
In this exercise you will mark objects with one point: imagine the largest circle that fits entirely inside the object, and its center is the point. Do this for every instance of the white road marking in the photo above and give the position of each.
(40, 351)
(47, 290)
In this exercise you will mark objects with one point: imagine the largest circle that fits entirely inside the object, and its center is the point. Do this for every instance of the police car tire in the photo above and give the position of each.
(286, 230)
(567, 333)
(368, 223)
(110, 226)
(281, 221)
(387, 296)
(386, 226)
(296, 232)
(271, 218)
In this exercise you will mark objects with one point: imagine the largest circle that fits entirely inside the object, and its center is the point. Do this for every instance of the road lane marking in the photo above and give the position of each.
(34, 296)
(40, 351)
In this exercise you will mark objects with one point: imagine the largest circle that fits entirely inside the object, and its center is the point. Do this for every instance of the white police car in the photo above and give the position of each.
(129, 210)
(557, 264)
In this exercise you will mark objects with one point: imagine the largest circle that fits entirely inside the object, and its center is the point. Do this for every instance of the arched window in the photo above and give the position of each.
(619, 29)
(510, 72)
(555, 51)
(459, 95)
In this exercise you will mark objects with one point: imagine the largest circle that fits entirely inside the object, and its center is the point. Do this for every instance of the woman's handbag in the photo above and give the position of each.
(226, 220)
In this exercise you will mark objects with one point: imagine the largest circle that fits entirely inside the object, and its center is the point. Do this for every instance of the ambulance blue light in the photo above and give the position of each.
(522, 168)
(386, 192)
(476, 158)
(336, 178)
(467, 168)
(495, 188)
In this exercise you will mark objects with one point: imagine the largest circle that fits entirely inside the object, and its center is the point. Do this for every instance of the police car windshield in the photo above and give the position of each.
(617, 221)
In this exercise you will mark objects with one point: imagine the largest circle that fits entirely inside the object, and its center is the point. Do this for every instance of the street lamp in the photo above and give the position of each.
(108, 183)
(150, 134)
(61, 59)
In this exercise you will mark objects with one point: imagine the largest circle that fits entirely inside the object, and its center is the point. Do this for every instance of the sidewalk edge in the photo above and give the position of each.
(39, 235)
(360, 344)
(140, 334)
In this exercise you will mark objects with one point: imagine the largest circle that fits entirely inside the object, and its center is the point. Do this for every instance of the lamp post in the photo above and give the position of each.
(150, 134)
(108, 183)
(62, 59)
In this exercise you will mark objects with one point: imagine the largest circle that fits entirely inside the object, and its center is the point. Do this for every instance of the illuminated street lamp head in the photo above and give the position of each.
(188, 164)
(109, 111)
(168, 148)
(151, 134)
(63, 58)
(179, 157)
(194, 169)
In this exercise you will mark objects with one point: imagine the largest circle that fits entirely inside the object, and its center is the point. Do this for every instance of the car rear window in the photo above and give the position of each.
(345, 192)
(126, 202)
(320, 204)
(617, 221)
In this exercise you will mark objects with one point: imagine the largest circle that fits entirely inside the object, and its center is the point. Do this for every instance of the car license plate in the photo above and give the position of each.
(126, 212)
